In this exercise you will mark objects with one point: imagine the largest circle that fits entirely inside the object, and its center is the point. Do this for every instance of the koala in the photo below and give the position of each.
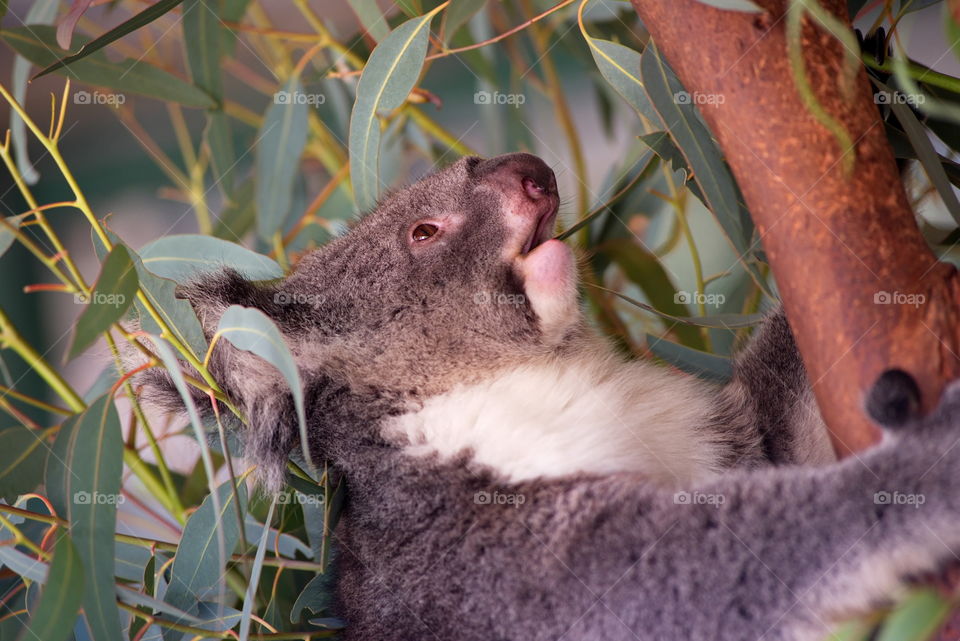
(510, 475)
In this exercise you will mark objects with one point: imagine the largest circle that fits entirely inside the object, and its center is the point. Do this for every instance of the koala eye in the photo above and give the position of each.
(423, 231)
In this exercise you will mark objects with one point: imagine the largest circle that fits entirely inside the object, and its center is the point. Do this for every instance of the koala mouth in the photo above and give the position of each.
(542, 231)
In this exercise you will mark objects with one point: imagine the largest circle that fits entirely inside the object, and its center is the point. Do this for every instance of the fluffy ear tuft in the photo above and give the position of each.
(894, 399)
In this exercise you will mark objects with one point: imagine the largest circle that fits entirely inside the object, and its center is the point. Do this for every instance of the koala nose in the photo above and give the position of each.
(521, 171)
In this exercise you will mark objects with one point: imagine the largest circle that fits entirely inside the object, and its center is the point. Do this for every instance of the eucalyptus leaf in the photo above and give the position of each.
(702, 364)
(254, 582)
(60, 600)
(22, 452)
(281, 140)
(37, 43)
(387, 79)
(111, 297)
(916, 618)
(87, 464)
(251, 330)
(145, 17)
(372, 19)
(620, 66)
(183, 257)
(458, 13)
(198, 566)
(314, 597)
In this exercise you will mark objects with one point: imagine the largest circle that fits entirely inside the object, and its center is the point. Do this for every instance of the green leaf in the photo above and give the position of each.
(280, 142)
(387, 79)
(145, 17)
(83, 473)
(129, 561)
(161, 292)
(222, 153)
(458, 13)
(708, 366)
(239, 214)
(254, 582)
(733, 5)
(699, 148)
(373, 21)
(251, 330)
(917, 618)
(315, 597)
(200, 561)
(37, 43)
(60, 600)
(620, 66)
(112, 295)
(662, 144)
(183, 257)
(201, 36)
(645, 270)
(22, 452)
(926, 154)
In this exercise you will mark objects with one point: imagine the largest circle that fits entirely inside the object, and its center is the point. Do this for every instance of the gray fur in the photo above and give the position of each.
(770, 549)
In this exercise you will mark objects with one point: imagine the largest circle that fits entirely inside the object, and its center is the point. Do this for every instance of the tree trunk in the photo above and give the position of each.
(861, 288)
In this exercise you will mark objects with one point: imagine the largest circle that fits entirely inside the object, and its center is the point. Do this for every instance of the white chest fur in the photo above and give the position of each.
(588, 416)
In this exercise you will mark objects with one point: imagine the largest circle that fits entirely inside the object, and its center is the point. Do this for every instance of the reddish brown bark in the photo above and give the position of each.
(834, 241)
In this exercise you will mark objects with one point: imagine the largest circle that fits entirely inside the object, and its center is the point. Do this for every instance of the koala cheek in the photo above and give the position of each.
(549, 276)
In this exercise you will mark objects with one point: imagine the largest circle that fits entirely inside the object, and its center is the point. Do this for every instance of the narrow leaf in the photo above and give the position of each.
(145, 17)
(183, 257)
(251, 330)
(112, 295)
(458, 13)
(917, 618)
(372, 19)
(315, 597)
(199, 564)
(88, 468)
(250, 597)
(387, 79)
(37, 43)
(22, 452)
(620, 66)
(698, 147)
(60, 599)
(281, 141)
(708, 366)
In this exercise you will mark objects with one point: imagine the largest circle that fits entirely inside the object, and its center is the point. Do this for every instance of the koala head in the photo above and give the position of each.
(445, 282)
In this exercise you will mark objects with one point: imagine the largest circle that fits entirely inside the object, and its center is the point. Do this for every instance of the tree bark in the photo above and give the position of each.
(844, 248)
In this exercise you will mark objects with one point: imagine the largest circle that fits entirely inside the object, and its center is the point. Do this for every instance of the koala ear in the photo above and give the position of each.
(894, 399)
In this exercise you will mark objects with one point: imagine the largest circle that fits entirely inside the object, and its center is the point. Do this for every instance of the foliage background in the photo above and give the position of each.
(179, 127)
